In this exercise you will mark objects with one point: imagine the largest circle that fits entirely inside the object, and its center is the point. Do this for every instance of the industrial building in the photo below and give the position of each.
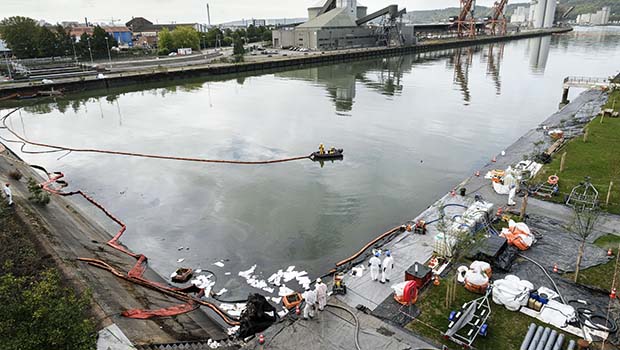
(601, 17)
(520, 15)
(340, 24)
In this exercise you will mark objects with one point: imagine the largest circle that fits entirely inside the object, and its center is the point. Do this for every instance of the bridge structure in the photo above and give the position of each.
(587, 83)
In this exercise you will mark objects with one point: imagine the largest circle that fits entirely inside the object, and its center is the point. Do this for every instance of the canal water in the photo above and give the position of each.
(412, 127)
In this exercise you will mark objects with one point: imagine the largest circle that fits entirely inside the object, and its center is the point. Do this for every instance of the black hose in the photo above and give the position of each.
(357, 324)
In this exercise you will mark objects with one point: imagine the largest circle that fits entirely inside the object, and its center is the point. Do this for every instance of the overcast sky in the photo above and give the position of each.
(165, 11)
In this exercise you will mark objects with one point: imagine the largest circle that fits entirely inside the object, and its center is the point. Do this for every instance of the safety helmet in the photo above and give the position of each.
(319, 280)
(388, 253)
(377, 254)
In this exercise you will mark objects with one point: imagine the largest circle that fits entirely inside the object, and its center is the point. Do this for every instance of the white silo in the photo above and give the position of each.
(350, 5)
(539, 14)
(550, 13)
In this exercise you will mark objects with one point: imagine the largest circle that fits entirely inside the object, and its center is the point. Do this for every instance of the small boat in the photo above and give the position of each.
(182, 275)
(331, 154)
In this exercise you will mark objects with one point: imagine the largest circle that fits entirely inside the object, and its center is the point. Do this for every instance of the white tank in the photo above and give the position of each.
(539, 14)
(350, 5)
(550, 13)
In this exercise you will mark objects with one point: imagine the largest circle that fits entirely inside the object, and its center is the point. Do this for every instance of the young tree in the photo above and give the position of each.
(584, 221)
(64, 40)
(212, 36)
(184, 37)
(164, 42)
(20, 35)
(46, 43)
(238, 49)
(267, 35)
(98, 42)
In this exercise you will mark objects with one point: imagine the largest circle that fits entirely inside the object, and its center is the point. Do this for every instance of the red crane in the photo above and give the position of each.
(466, 22)
(498, 18)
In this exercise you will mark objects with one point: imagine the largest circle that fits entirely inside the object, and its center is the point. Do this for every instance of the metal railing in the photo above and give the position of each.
(590, 81)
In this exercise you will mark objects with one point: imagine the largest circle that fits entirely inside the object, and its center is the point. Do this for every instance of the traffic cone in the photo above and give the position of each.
(613, 293)
(555, 268)
(610, 252)
(297, 310)
(436, 281)
(478, 173)
(261, 339)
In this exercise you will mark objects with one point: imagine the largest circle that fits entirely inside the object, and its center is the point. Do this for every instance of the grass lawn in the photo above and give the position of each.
(506, 328)
(598, 158)
(601, 276)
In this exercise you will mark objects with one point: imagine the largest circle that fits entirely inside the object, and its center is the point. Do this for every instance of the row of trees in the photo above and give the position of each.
(186, 37)
(217, 37)
(27, 39)
(181, 37)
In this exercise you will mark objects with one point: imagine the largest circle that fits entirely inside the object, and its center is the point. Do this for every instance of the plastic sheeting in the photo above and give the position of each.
(557, 246)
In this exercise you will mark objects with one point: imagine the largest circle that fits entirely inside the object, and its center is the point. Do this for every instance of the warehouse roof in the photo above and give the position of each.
(336, 18)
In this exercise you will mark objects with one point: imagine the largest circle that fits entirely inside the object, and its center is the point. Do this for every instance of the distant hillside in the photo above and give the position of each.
(590, 6)
(442, 15)
(581, 6)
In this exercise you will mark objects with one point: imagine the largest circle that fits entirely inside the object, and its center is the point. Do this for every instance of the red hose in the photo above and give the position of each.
(135, 275)
(368, 245)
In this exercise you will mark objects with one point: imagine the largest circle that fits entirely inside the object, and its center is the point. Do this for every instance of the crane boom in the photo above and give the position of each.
(498, 9)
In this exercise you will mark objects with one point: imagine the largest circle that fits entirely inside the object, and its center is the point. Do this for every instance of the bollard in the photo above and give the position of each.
(562, 162)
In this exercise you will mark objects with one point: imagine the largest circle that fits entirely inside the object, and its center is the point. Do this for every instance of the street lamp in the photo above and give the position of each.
(74, 53)
(90, 51)
(108, 46)
(8, 66)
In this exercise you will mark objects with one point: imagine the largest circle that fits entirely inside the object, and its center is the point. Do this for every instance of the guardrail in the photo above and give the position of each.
(589, 81)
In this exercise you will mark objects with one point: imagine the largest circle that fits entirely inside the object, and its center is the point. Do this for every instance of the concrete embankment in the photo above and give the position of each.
(151, 74)
(65, 233)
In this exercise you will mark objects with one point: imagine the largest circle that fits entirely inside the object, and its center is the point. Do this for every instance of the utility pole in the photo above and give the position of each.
(108, 46)
(90, 51)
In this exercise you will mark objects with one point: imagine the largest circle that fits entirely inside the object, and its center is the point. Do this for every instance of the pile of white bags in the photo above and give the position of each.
(512, 292)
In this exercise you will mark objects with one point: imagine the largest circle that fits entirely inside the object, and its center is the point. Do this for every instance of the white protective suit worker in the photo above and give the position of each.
(388, 266)
(310, 298)
(8, 194)
(321, 293)
(375, 265)
(511, 195)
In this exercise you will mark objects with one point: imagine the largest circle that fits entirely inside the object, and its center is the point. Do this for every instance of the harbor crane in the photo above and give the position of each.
(498, 18)
(465, 22)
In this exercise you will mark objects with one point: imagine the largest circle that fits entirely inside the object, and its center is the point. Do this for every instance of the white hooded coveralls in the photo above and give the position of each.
(321, 295)
(374, 264)
(310, 298)
(388, 266)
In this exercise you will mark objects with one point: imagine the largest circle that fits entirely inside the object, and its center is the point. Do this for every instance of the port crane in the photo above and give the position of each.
(466, 21)
(498, 18)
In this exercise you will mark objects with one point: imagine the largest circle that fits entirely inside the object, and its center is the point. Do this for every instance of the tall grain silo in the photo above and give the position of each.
(539, 14)
(550, 13)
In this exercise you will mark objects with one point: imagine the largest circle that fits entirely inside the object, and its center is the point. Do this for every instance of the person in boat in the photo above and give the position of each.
(332, 150)
(321, 149)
